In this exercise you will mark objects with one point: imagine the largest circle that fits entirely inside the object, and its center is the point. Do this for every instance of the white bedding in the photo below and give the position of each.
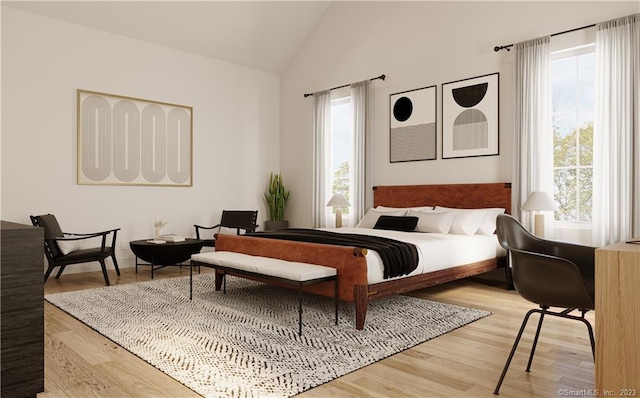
(436, 251)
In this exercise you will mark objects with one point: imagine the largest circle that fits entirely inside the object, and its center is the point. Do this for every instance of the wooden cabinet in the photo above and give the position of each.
(618, 320)
(22, 310)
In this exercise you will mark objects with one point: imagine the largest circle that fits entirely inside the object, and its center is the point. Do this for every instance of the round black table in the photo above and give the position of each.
(160, 255)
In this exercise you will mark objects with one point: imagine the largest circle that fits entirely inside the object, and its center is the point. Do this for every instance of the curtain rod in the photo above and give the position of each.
(507, 47)
(381, 77)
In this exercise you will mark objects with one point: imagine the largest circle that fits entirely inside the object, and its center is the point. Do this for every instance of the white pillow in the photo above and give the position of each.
(466, 221)
(488, 224)
(371, 218)
(433, 221)
(69, 246)
(419, 208)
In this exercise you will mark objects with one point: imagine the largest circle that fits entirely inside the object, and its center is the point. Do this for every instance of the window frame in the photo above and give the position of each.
(574, 51)
(342, 97)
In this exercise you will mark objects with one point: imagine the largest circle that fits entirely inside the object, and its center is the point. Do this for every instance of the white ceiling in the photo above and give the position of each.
(262, 35)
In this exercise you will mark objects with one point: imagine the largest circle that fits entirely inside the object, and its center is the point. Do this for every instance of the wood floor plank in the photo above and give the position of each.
(80, 362)
(139, 380)
(84, 344)
(66, 370)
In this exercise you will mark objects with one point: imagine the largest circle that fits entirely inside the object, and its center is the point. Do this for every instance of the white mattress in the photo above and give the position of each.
(436, 251)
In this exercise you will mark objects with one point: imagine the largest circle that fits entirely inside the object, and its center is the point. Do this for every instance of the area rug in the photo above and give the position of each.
(246, 343)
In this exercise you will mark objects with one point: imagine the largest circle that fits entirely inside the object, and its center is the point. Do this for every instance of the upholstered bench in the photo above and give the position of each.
(266, 269)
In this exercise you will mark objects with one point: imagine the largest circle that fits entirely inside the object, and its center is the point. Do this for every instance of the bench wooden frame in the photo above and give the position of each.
(222, 271)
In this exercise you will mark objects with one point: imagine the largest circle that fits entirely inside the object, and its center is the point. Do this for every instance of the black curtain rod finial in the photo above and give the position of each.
(498, 48)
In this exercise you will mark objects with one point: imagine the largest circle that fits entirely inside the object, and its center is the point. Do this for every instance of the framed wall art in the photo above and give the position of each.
(470, 118)
(412, 120)
(133, 141)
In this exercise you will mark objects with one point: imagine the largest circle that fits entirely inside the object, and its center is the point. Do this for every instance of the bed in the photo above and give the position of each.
(358, 282)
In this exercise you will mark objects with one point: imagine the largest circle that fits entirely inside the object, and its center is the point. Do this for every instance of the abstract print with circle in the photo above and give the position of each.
(413, 125)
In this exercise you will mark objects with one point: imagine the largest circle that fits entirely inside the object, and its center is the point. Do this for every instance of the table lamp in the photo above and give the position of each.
(337, 201)
(539, 201)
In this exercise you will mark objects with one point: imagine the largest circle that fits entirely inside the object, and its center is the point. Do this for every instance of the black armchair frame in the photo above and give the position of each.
(550, 274)
(56, 258)
(236, 219)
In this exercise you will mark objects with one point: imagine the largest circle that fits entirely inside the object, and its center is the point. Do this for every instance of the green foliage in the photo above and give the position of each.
(341, 182)
(276, 197)
(573, 181)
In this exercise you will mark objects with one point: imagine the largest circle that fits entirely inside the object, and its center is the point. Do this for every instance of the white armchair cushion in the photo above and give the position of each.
(68, 246)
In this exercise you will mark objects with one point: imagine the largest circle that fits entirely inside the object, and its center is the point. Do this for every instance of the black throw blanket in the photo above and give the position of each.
(398, 258)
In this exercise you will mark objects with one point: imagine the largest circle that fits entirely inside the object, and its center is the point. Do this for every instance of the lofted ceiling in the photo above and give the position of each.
(262, 35)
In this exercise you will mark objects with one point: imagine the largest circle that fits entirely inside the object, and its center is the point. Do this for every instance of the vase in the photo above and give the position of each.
(270, 225)
(158, 232)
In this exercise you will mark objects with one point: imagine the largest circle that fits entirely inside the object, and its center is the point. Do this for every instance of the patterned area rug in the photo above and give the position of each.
(246, 343)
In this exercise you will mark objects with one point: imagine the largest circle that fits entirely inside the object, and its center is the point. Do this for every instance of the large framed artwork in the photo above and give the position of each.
(470, 119)
(412, 120)
(133, 141)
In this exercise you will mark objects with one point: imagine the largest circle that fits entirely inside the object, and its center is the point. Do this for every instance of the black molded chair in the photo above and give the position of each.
(550, 274)
(238, 219)
(56, 258)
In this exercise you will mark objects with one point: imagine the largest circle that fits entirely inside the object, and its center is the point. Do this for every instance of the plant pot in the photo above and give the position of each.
(275, 225)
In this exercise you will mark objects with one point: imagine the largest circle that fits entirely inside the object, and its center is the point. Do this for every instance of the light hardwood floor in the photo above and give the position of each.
(466, 362)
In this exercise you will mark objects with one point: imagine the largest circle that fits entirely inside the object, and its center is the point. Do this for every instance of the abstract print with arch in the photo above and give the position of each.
(470, 117)
(470, 129)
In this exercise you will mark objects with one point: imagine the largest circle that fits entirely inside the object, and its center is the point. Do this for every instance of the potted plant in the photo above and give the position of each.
(277, 198)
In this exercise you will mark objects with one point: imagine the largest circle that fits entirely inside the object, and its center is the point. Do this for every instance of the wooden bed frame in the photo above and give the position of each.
(350, 261)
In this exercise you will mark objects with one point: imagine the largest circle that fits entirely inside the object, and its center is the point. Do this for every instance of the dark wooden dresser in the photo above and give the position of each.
(22, 310)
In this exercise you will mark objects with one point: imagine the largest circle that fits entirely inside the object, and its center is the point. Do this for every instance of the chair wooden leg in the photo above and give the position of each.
(60, 271)
(115, 263)
(513, 351)
(104, 272)
(46, 274)
(535, 343)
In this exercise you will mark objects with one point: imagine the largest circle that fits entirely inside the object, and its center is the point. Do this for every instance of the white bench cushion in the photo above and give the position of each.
(290, 270)
(216, 258)
(296, 271)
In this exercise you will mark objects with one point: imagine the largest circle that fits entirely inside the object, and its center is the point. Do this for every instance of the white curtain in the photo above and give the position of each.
(533, 138)
(321, 148)
(616, 142)
(360, 96)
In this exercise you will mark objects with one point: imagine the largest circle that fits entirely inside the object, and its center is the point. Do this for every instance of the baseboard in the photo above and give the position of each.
(93, 266)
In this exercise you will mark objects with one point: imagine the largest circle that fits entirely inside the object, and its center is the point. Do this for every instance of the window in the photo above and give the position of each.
(573, 85)
(342, 143)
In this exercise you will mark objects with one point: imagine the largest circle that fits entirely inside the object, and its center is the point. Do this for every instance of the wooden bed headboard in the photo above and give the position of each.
(464, 196)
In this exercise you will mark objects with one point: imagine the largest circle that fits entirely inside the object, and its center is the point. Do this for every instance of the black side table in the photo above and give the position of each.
(160, 255)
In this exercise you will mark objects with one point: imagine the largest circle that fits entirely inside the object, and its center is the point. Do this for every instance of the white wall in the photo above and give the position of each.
(416, 44)
(44, 62)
